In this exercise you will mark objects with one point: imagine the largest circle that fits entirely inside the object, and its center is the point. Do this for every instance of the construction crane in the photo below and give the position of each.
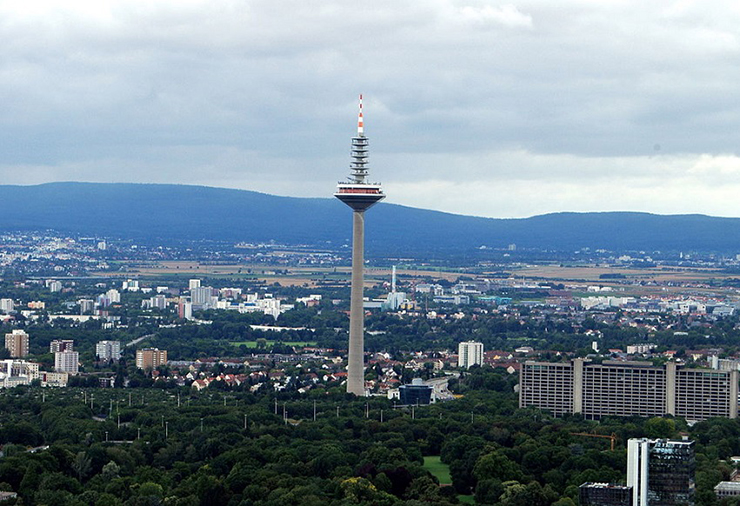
(612, 437)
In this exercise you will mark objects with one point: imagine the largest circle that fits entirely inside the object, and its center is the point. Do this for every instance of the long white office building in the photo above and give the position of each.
(614, 388)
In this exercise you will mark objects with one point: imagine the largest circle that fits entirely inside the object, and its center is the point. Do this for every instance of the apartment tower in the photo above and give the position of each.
(16, 342)
(150, 358)
(360, 195)
(469, 353)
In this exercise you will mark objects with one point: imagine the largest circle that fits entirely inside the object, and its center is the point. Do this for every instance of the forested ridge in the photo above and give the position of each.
(129, 211)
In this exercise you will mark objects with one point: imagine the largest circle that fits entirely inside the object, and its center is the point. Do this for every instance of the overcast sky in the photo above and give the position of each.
(472, 107)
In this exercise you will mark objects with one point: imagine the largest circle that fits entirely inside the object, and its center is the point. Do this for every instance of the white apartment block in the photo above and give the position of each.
(469, 353)
(202, 297)
(17, 372)
(113, 295)
(67, 361)
(108, 350)
(7, 305)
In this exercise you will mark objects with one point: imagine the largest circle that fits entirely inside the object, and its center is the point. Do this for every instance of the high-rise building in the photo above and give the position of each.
(7, 305)
(185, 310)
(113, 295)
(604, 494)
(67, 361)
(360, 195)
(202, 297)
(469, 353)
(108, 350)
(157, 302)
(150, 358)
(193, 283)
(661, 472)
(16, 342)
(58, 345)
(628, 389)
(86, 306)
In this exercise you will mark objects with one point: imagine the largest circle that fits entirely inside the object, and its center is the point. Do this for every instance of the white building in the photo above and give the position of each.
(7, 305)
(131, 285)
(193, 283)
(67, 361)
(108, 350)
(17, 372)
(113, 295)
(202, 297)
(634, 349)
(156, 302)
(469, 353)
(55, 286)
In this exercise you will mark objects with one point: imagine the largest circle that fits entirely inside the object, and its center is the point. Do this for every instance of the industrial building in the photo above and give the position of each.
(616, 388)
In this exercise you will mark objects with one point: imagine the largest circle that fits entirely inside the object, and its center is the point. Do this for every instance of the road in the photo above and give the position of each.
(139, 339)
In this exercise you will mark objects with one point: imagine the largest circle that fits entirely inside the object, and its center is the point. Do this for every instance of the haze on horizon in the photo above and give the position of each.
(473, 107)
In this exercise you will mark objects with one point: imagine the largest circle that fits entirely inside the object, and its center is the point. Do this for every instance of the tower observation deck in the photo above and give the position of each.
(360, 195)
(357, 192)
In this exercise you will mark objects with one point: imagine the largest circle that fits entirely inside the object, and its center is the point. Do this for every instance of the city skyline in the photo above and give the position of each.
(579, 107)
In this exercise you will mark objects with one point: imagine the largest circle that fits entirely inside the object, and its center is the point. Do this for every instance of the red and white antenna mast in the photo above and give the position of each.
(360, 121)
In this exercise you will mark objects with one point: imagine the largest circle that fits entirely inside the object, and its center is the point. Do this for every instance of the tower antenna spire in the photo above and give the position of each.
(360, 121)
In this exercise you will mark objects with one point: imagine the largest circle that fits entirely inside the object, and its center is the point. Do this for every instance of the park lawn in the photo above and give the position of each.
(466, 499)
(439, 469)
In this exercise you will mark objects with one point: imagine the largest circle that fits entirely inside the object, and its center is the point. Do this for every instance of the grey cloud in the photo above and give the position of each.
(261, 94)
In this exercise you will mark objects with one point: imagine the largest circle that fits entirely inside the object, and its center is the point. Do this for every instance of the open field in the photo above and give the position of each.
(294, 276)
(657, 281)
(636, 282)
(439, 469)
(592, 273)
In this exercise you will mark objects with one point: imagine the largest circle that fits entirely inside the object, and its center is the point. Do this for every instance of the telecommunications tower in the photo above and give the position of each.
(360, 195)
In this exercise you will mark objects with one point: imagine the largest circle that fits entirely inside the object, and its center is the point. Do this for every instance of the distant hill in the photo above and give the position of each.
(149, 211)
